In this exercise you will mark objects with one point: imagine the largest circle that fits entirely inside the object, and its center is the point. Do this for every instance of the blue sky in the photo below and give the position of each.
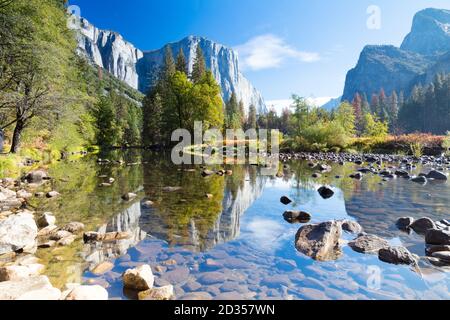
(285, 46)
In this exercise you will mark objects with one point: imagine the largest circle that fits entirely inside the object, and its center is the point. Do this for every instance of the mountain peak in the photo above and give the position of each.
(430, 32)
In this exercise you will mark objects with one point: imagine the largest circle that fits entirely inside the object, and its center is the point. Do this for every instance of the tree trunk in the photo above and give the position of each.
(17, 136)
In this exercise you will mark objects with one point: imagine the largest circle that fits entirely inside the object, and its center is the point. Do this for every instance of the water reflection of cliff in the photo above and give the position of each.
(126, 221)
(227, 226)
(188, 218)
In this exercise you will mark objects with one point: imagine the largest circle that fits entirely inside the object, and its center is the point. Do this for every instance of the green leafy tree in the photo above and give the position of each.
(345, 116)
(374, 127)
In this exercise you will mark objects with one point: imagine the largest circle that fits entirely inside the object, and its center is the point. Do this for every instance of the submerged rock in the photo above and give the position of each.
(18, 232)
(367, 243)
(297, 217)
(139, 279)
(351, 226)
(321, 241)
(326, 192)
(162, 293)
(397, 255)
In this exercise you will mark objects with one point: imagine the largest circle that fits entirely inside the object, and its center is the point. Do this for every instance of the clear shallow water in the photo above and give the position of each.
(237, 244)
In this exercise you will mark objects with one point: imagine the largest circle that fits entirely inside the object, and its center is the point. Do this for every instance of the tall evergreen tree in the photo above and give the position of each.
(252, 117)
(357, 109)
(169, 67)
(181, 64)
(199, 68)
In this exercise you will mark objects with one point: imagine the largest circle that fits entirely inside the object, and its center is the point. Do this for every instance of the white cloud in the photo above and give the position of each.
(269, 51)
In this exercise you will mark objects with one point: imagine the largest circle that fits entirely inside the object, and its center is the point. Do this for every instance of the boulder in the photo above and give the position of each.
(102, 268)
(105, 237)
(66, 241)
(326, 192)
(351, 226)
(367, 243)
(47, 219)
(297, 217)
(24, 194)
(18, 232)
(437, 175)
(430, 249)
(12, 290)
(139, 279)
(207, 173)
(61, 234)
(420, 179)
(437, 237)
(47, 231)
(18, 272)
(321, 241)
(36, 176)
(422, 225)
(73, 227)
(397, 255)
(405, 222)
(96, 293)
(357, 175)
(52, 194)
(285, 200)
(442, 255)
(44, 294)
(129, 196)
(162, 293)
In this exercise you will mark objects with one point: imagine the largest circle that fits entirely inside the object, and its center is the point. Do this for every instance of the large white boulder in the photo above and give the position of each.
(139, 279)
(87, 293)
(18, 232)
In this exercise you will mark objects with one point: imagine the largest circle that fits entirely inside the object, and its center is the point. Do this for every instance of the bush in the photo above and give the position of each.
(446, 144)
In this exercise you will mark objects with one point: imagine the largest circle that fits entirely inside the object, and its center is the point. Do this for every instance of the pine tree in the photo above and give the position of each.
(169, 68)
(105, 122)
(252, 117)
(181, 64)
(393, 111)
(357, 109)
(152, 110)
(199, 68)
(242, 113)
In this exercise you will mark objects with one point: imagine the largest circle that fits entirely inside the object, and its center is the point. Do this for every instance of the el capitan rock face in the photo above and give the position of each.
(424, 53)
(139, 69)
